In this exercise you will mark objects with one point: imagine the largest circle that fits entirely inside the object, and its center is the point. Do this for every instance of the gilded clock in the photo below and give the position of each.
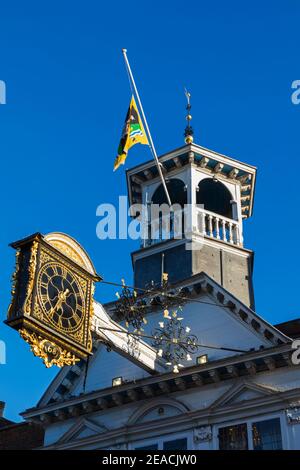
(61, 296)
(52, 297)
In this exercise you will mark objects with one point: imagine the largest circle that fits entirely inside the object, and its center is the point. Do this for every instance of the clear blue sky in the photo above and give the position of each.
(67, 94)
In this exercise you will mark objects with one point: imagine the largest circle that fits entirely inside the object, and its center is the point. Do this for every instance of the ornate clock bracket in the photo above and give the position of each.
(58, 330)
(51, 353)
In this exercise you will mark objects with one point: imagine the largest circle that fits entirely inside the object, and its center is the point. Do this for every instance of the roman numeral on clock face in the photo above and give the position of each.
(76, 317)
(59, 321)
(44, 298)
(64, 272)
(61, 296)
(44, 285)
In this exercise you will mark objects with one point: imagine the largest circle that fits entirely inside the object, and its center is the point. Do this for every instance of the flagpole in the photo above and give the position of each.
(147, 127)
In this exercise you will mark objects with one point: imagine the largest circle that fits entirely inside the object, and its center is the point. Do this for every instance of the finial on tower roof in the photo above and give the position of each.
(188, 133)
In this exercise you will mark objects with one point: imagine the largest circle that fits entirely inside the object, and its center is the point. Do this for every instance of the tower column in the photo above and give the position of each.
(192, 200)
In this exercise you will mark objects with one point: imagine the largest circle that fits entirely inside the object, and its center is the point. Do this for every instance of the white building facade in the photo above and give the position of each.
(240, 390)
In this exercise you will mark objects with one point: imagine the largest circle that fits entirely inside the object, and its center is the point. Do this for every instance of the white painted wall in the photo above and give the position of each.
(192, 400)
(214, 325)
(103, 367)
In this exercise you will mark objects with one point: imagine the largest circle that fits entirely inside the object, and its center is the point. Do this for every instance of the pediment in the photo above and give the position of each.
(242, 393)
(81, 429)
(157, 409)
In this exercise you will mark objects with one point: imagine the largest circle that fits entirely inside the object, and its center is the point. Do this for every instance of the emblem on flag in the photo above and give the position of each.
(133, 133)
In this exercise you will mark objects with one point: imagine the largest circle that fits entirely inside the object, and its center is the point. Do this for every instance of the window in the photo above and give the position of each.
(150, 447)
(174, 444)
(267, 435)
(233, 437)
(177, 444)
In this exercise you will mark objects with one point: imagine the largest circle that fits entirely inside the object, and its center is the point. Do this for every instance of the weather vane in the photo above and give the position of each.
(188, 133)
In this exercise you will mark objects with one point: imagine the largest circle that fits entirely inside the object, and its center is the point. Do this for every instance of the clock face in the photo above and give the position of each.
(61, 296)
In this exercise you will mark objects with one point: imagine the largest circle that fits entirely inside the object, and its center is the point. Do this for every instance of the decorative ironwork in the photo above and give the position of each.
(174, 341)
(164, 296)
(131, 308)
(132, 346)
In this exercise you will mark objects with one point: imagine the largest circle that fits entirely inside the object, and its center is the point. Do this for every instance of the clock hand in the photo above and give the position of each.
(62, 296)
(53, 285)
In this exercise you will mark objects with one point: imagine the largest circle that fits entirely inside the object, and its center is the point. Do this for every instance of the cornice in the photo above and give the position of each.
(245, 365)
(187, 421)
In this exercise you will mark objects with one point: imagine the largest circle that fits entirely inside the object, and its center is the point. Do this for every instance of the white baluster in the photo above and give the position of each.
(217, 228)
(224, 230)
(236, 234)
(230, 233)
(201, 222)
(210, 226)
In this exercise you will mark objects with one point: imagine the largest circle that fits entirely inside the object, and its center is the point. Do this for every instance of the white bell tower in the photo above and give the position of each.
(215, 195)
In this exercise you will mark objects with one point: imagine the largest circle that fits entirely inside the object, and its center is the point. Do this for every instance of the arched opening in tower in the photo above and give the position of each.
(215, 197)
(177, 193)
(165, 224)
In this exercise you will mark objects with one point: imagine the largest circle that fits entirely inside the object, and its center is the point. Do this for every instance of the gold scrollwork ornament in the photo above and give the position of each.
(91, 313)
(14, 282)
(31, 269)
(49, 352)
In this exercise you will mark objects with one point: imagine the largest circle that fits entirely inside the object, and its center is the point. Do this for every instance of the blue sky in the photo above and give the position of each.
(67, 94)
